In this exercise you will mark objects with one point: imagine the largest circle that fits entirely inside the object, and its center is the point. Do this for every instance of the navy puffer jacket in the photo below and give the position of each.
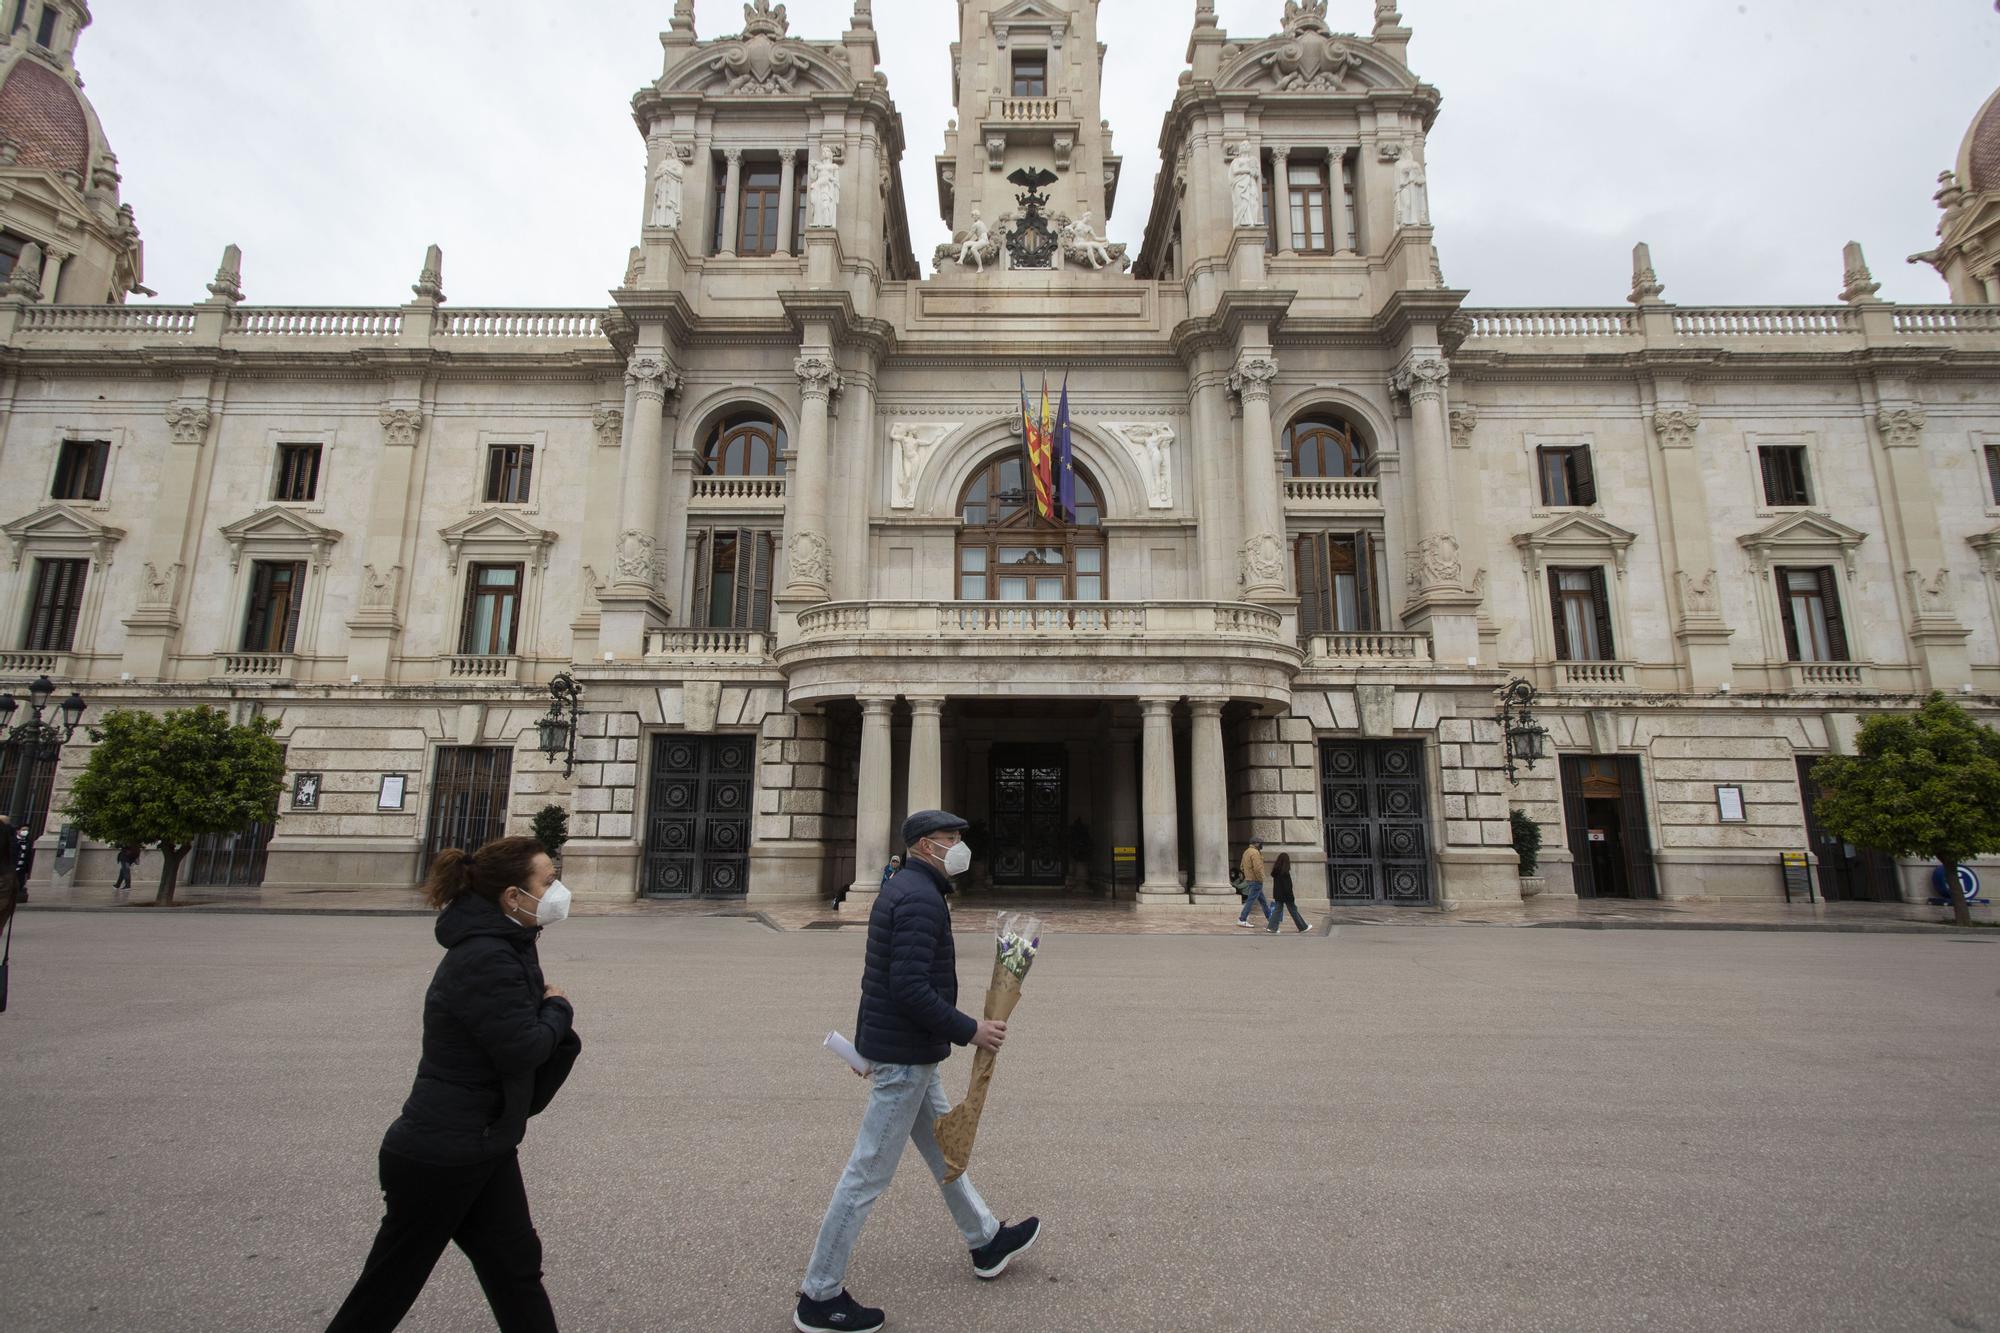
(495, 1050)
(909, 986)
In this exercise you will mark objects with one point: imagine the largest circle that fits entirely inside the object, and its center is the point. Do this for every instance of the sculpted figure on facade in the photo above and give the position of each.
(1082, 243)
(1932, 596)
(667, 183)
(1435, 562)
(400, 425)
(973, 247)
(610, 424)
(188, 422)
(912, 445)
(1901, 426)
(812, 560)
(1246, 186)
(1413, 200)
(1677, 424)
(823, 193)
(638, 559)
(1313, 60)
(1151, 445)
(161, 585)
(1698, 595)
(1261, 562)
(635, 267)
(1463, 420)
(378, 588)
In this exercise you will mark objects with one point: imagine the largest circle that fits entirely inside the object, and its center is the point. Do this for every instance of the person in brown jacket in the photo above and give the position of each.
(1253, 884)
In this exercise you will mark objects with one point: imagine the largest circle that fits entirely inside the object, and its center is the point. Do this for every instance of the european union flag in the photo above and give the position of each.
(1065, 461)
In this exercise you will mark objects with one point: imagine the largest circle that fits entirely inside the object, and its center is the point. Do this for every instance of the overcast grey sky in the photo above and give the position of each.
(1747, 140)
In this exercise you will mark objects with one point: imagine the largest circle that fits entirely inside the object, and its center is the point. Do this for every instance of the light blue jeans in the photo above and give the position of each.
(1253, 896)
(903, 1103)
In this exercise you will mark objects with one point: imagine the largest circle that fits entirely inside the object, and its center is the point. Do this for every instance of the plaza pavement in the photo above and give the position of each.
(1381, 1129)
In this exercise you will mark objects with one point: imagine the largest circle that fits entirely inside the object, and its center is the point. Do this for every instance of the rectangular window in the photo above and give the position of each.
(492, 610)
(1993, 472)
(271, 625)
(1031, 74)
(1567, 478)
(45, 32)
(732, 581)
(1348, 186)
(298, 472)
(1809, 603)
(10, 251)
(1580, 605)
(757, 233)
(1784, 468)
(1338, 588)
(57, 601)
(80, 470)
(509, 470)
(1308, 202)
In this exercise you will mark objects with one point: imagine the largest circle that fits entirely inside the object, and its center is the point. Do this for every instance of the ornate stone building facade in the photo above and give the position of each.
(767, 503)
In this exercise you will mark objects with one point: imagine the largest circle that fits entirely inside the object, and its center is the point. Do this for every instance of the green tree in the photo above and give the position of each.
(1527, 840)
(169, 778)
(1919, 784)
(551, 829)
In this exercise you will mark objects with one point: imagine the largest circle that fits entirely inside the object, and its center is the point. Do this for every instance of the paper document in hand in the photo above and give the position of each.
(844, 1048)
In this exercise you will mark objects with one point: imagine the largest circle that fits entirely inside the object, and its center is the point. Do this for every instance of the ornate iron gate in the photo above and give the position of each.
(1030, 814)
(229, 860)
(468, 798)
(698, 817)
(1377, 835)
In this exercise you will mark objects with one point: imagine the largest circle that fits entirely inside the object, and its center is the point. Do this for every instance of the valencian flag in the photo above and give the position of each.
(1039, 432)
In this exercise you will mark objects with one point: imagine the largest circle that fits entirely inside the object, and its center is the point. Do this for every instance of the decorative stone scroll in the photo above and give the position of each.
(1253, 375)
(652, 377)
(818, 377)
(756, 61)
(912, 444)
(812, 559)
(1422, 377)
(188, 422)
(1676, 425)
(1902, 427)
(400, 425)
(1435, 563)
(1151, 445)
(1261, 562)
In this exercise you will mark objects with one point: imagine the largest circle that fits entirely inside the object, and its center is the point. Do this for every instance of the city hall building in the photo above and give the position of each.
(767, 502)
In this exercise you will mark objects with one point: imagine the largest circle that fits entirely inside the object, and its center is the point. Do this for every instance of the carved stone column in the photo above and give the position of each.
(1210, 792)
(1161, 804)
(152, 631)
(1703, 634)
(1336, 176)
(375, 629)
(1440, 601)
(1935, 629)
(926, 780)
(809, 552)
(635, 600)
(732, 201)
(1261, 556)
(871, 806)
(788, 186)
(1281, 197)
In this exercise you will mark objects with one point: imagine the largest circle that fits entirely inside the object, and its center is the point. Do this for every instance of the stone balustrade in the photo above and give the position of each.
(256, 666)
(249, 327)
(491, 668)
(1061, 619)
(1367, 647)
(1030, 110)
(542, 325)
(31, 664)
(290, 322)
(759, 492)
(1820, 677)
(158, 321)
(1334, 492)
(1824, 328)
(708, 645)
(1593, 675)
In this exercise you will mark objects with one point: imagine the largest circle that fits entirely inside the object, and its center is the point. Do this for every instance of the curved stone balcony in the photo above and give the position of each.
(1085, 649)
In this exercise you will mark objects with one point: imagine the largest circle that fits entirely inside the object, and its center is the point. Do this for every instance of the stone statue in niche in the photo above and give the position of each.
(1246, 186)
(667, 191)
(823, 193)
(1413, 203)
(1151, 445)
(913, 444)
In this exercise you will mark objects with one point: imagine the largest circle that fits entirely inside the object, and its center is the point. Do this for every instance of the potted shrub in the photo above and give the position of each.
(551, 829)
(1528, 847)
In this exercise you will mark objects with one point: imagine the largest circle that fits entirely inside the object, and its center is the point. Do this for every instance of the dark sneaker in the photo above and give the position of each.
(842, 1314)
(991, 1259)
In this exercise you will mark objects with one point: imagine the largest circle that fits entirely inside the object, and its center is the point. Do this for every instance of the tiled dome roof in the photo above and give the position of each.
(1982, 153)
(40, 112)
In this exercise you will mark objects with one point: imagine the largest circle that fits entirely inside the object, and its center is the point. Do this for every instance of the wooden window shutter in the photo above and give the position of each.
(1786, 618)
(1576, 827)
(1364, 582)
(1600, 597)
(1836, 629)
(1993, 471)
(467, 619)
(1556, 618)
(698, 613)
(253, 614)
(295, 601)
(764, 544)
(1583, 480)
(69, 602)
(515, 598)
(746, 545)
(1774, 477)
(1307, 564)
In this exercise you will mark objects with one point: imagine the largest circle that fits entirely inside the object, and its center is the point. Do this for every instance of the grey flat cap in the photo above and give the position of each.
(925, 822)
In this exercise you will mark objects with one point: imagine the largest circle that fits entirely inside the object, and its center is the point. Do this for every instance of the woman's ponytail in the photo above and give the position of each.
(450, 876)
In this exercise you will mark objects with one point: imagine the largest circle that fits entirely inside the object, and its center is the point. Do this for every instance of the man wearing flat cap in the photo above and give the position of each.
(908, 1023)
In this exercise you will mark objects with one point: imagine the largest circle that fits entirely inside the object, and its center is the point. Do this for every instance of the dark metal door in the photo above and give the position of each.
(25, 788)
(1377, 836)
(229, 860)
(698, 817)
(1846, 873)
(1030, 814)
(468, 798)
(1604, 815)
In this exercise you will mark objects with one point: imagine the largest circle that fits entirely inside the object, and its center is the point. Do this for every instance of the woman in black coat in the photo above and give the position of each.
(1281, 895)
(498, 1042)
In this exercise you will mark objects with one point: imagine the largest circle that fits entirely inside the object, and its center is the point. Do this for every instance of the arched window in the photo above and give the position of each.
(1006, 553)
(1324, 445)
(745, 444)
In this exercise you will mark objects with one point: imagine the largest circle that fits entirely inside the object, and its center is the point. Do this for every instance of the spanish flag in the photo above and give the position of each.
(1039, 432)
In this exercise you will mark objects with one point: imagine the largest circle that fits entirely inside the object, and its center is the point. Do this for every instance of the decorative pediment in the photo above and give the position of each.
(1804, 534)
(497, 532)
(1576, 536)
(59, 527)
(281, 528)
(1030, 15)
(1311, 58)
(761, 61)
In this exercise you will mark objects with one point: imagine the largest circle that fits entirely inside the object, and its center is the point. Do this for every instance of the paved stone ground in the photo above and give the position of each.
(1385, 1129)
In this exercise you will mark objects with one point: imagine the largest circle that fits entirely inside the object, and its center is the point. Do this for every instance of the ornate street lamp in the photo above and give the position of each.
(558, 725)
(1526, 739)
(35, 741)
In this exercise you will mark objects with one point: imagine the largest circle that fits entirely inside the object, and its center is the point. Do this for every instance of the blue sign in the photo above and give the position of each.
(1968, 881)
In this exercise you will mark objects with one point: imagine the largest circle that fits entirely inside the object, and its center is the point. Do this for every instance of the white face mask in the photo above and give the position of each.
(957, 858)
(553, 905)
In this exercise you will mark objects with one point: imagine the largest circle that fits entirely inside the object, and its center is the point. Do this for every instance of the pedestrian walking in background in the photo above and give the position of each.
(1281, 895)
(24, 859)
(498, 1043)
(889, 871)
(907, 1025)
(128, 856)
(1253, 884)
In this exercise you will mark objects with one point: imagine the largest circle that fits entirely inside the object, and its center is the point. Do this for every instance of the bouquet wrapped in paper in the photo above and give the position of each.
(1016, 940)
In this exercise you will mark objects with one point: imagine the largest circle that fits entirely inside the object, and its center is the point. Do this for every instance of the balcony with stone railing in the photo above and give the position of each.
(1086, 649)
(31, 664)
(1595, 675)
(708, 647)
(314, 328)
(480, 668)
(1811, 329)
(762, 493)
(1831, 677)
(1334, 495)
(1367, 648)
(1030, 110)
(250, 667)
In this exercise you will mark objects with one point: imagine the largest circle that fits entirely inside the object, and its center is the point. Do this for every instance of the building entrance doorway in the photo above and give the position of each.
(1030, 793)
(698, 817)
(1846, 873)
(1377, 843)
(1604, 812)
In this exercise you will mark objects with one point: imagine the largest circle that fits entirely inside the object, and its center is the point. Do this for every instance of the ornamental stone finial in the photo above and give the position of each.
(1861, 285)
(430, 280)
(1646, 285)
(227, 289)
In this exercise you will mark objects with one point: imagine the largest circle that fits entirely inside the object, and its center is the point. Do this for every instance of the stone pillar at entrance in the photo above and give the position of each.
(810, 559)
(1443, 606)
(1210, 793)
(1261, 557)
(635, 601)
(926, 759)
(871, 807)
(1162, 804)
